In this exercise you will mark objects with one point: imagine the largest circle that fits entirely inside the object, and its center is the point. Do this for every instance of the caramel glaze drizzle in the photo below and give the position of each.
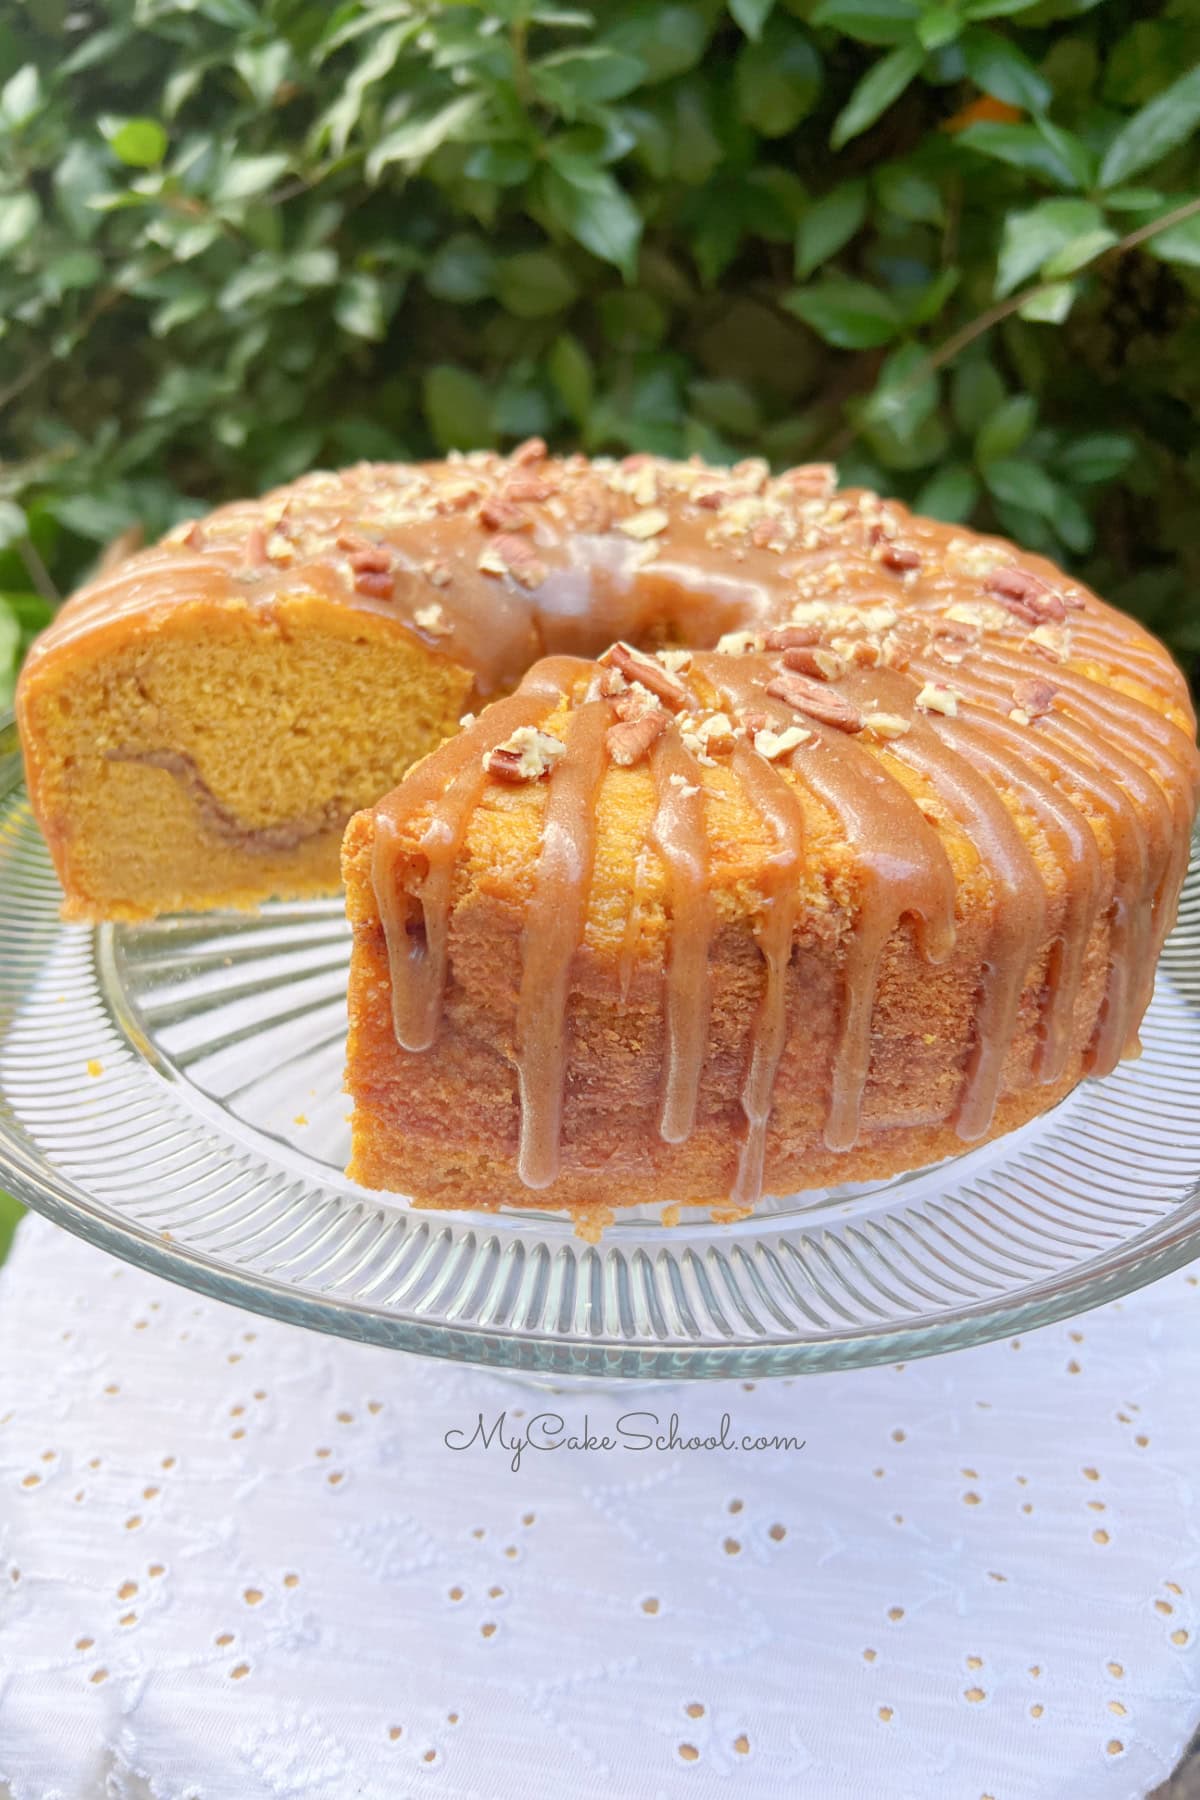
(448, 787)
(678, 834)
(554, 927)
(904, 871)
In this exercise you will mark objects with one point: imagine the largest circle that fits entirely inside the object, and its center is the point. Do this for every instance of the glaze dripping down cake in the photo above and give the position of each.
(799, 840)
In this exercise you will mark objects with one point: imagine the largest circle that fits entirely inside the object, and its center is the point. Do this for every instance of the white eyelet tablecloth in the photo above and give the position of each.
(239, 1562)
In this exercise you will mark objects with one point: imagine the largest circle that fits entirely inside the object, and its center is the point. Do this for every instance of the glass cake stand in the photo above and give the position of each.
(172, 1092)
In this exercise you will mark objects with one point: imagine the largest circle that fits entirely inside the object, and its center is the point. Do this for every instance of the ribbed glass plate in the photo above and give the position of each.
(173, 1093)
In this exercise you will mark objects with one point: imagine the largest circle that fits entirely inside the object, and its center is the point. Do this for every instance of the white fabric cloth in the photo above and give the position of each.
(238, 1561)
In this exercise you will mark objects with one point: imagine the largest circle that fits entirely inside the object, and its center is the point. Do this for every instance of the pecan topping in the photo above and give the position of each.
(380, 584)
(649, 672)
(1034, 697)
(792, 637)
(531, 451)
(1026, 595)
(528, 487)
(933, 697)
(887, 725)
(645, 524)
(712, 500)
(774, 744)
(499, 514)
(370, 559)
(526, 756)
(507, 554)
(816, 701)
(817, 481)
(899, 557)
(433, 620)
(822, 665)
(629, 740)
(255, 553)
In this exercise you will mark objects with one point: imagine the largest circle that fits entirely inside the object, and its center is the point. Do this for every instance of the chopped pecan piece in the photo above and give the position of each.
(533, 450)
(645, 524)
(507, 554)
(816, 701)
(1034, 696)
(816, 481)
(1026, 595)
(792, 637)
(822, 665)
(499, 514)
(255, 553)
(380, 584)
(774, 744)
(649, 672)
(526, 756)
(370, 559)
(629, 740)
(899, 557)
(934, 697)
(529, 488)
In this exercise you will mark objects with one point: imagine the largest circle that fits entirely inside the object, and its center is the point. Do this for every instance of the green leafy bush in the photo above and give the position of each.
(952, 244)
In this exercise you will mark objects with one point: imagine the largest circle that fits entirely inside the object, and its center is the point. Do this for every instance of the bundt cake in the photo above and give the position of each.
(804, 841)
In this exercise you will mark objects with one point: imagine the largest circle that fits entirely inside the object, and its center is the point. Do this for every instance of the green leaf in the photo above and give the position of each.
(950, 495)
(1021, 147)
(879, 87)
(418, 137)
(10, 647)
(358, 307)
(263, 67)
(777, 80)
(457, 408)
(246, 176)
(905, 393)
(1158, 127)
(1178, 243)
(666, 39)
(141, 143)
(534, 284)
(998, 68)
(1034, 238)
(588, 76)
(1006, 429)
(81, 176)
(1024, 484)
(846, 313)
(871, 21)
(1051, 305)
(920, 304)
(13, 524)
(461, 269)
(505, 164)
(938, 26)
(19, 214)
(1079, 252)
(20, 98)
(1097, 456)
(570, 369)
(829, 224)
(751, 15)
(1070, 150)
(589, 204)
(976, 391)
(906, 193)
